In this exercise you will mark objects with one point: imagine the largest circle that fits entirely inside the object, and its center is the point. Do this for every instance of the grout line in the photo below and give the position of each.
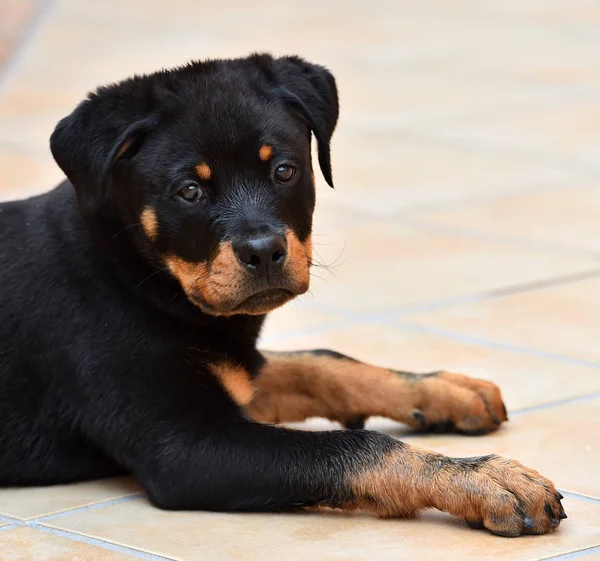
(103, 544)
(557, 403)
(412, 309)
(501, 239)
(493, 344)
(10, 519)
(545, 283)
(276, 338)
(580, 496)
(85, 508)
(496, 194)
(578, 554)
(25, 43)
(450, 135)
(9, 527)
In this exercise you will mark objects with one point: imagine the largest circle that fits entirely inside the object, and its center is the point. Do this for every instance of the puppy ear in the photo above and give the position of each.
(108, 126)
(311, 90)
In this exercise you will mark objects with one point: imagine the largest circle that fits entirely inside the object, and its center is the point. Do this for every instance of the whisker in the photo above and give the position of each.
(126, 228)
(150, 276)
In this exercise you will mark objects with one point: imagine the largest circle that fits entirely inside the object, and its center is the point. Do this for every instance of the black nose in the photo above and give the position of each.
(262, 255)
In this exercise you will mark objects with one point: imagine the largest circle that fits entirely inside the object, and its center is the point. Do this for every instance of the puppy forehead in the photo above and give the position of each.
(228, 116)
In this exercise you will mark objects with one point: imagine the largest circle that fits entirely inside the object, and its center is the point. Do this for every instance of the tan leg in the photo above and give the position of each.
(294, 386)
(489, 491)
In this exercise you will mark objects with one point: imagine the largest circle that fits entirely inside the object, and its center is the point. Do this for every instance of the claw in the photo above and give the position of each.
(528, 522)
(418, 415)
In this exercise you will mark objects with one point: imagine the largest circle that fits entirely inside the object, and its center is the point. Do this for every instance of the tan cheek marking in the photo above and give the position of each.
(149, 223)
(217, 284)
(300, 256)
(190, 275)
(236, 380)
(265, 153)
(204, 172)
(226, 272)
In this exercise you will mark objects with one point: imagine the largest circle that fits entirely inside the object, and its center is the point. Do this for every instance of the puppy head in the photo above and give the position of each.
(209, 166)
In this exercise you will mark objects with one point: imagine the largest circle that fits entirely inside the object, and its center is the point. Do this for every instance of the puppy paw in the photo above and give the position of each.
(455, 403)
(504, 496)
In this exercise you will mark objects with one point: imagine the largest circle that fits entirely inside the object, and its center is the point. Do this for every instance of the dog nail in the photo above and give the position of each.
(418, 415)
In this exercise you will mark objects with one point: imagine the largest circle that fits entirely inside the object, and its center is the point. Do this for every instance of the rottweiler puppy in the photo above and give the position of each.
(133, 294)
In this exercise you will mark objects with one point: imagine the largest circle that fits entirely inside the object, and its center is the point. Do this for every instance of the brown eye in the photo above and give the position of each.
(191, 193)
(284, 173)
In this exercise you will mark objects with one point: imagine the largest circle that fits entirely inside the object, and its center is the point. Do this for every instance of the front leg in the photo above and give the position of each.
(294, 386)
(243, 466)
(190, 447)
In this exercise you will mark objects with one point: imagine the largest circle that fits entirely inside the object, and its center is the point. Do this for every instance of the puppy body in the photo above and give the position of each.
(132, 297)
(80, 338)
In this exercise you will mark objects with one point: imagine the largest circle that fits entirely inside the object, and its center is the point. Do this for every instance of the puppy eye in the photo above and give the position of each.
(191, 193)
(284, 173)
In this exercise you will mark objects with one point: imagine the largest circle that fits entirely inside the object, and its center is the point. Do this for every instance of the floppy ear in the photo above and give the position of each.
(108, 126)
(312, 91)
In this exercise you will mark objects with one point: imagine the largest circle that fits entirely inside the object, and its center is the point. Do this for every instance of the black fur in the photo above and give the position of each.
(103, 359)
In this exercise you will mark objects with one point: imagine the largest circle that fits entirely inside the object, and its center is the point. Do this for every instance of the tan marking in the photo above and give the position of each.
(124, 147)
(218, 284)
(295, 386)
(265, 153)
(221, 285)
(492, 491)
(236, 380)
(149, 223)
(204, 172)
(299, 260)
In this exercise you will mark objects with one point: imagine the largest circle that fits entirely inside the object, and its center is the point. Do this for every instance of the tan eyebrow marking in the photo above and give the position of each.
(203, 171)
(149, 223)
(265, 153)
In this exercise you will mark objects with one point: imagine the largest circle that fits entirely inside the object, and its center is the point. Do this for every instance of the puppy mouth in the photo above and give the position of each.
(258, 303)
(267, 300)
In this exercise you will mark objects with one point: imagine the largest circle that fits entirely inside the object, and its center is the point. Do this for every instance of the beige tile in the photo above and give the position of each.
(335, 536)
(384, 95)
(551, 64)
(569, 131)
(24, 175)
(591, 557)
(291, 319)
(525, 380)
(566, 218)
(32, 502)
(15, 15)
(383, 173)
(560, 442)
(561, 12)
(27, 544)
(560, 319)
(381, 266)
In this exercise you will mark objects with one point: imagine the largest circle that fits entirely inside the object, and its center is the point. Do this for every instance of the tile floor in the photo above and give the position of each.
(463, 235)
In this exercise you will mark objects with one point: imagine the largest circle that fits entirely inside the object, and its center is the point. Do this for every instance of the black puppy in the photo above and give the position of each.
(132, 296)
